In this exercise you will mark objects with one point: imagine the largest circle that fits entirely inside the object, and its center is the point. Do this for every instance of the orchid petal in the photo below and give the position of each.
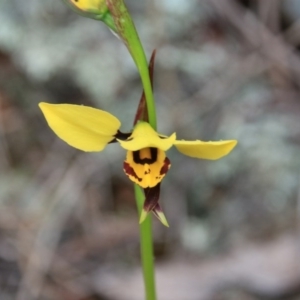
(144, 136)
(205, 150)
(82, 127)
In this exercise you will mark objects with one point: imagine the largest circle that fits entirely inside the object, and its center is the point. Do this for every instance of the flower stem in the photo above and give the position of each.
(126, 30)
(144, 73)
(146, 244)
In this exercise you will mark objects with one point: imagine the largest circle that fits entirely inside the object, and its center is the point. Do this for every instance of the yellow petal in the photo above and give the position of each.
(87, 4)
(144, 136)
(82, 127)
(146, 167)
(205, 150)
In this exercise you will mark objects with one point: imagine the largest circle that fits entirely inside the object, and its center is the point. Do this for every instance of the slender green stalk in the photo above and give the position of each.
(126, 30)
(144, 73)
(146, 243)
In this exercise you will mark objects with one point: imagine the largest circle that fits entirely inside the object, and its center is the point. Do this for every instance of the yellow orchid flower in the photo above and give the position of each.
(89, 129)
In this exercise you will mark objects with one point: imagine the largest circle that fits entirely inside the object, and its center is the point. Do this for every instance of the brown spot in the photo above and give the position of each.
(130, 171)
(164, 169)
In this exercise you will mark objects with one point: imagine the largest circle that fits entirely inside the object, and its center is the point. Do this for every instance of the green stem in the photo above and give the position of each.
(109, 21)
(144, 73)
(146, 244)
(127, 31)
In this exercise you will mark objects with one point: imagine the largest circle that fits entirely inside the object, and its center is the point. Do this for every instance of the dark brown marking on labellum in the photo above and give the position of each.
(142, 161)
(130, 171)
(164, 169)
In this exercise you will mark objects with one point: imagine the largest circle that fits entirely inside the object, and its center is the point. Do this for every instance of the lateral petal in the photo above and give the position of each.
(205, 150)
(82, 127)
(144, 136)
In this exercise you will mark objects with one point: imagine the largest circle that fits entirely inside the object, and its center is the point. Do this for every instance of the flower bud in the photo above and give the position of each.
(94, 9)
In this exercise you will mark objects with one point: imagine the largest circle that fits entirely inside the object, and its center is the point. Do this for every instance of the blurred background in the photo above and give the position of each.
(225, 69)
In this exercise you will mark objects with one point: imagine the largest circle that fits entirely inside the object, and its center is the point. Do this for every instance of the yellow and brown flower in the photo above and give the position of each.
(89, 129)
